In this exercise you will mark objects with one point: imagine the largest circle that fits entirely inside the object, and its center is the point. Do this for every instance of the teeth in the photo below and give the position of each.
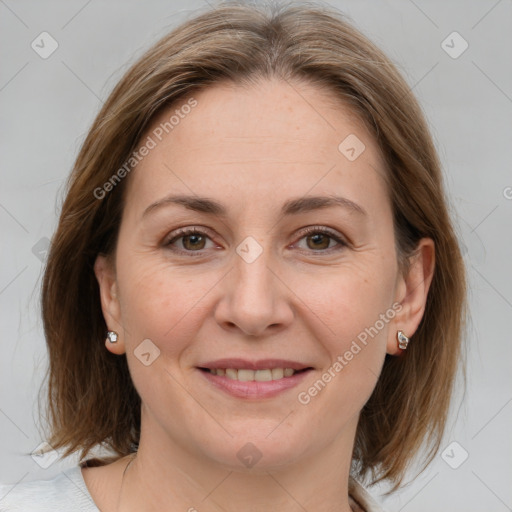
(245, 375)
(231, 374)
(278, 373)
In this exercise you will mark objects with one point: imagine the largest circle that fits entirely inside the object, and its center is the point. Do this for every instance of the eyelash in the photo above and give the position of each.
(180, 233)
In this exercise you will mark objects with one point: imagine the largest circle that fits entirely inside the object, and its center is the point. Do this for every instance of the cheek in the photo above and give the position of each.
(164, 303)
(347, 299)
(352, 309)
(158, 301)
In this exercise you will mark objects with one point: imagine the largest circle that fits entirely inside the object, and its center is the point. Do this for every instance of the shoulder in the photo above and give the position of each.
(361, 499)
(64, 492)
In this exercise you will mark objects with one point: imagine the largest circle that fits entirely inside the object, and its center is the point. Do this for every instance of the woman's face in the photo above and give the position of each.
(252, 284)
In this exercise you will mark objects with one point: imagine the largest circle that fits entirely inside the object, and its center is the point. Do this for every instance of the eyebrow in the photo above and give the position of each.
(290, 207)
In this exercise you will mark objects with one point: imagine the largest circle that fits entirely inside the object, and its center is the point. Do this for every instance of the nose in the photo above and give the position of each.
(254, 298)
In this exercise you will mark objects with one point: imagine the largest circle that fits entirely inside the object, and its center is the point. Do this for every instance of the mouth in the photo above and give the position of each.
(256, 379)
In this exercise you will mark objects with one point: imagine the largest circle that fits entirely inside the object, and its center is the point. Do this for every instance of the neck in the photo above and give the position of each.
(164, 472)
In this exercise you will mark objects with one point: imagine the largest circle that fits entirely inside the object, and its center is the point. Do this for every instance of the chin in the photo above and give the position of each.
(257, 448)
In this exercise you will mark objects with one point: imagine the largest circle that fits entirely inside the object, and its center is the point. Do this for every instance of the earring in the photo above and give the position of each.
(112, 336)
(403, 340)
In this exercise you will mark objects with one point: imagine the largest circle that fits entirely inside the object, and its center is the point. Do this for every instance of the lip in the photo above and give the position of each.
(261, 364)
(253, 389)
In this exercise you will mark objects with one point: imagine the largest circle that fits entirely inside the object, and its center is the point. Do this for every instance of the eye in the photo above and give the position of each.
(192, 240)
(318, 239)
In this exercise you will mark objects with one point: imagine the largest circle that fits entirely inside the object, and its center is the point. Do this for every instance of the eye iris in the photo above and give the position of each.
(196, 241)
(195, 238)
(319, 237)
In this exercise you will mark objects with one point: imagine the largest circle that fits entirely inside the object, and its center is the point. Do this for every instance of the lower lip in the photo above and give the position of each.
(254, 389)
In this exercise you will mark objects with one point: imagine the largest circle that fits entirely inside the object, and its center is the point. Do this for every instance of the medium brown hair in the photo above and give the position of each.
(91, 398)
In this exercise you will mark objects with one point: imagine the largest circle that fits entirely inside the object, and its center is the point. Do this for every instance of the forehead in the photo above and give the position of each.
(260, 141)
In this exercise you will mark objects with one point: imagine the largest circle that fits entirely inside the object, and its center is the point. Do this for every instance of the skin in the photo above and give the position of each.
(252, 148)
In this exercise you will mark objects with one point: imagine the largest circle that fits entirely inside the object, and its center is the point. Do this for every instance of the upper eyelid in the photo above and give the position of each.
(179, 232)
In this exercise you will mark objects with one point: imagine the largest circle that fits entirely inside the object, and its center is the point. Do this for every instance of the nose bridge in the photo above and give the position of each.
(254, 258)
(253, 286)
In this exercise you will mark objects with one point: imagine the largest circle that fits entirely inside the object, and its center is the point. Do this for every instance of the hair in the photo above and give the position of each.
(90, 396)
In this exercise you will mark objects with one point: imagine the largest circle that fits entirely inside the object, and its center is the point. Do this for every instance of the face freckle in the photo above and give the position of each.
(291, 302)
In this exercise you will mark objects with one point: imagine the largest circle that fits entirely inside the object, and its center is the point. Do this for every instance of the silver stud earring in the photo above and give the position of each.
(112, 336)
(403, 340)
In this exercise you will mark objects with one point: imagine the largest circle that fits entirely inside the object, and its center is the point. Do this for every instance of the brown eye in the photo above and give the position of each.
(318, 241)
(188, 241)
(193, 242)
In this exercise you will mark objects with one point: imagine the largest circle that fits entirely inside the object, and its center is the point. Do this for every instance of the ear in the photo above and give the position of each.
(106, 276)
(411, 292)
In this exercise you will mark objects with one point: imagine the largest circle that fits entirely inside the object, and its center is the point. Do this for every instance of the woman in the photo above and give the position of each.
(254, 297)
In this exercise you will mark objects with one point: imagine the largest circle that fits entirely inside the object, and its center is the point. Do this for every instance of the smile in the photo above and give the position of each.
(253, 384)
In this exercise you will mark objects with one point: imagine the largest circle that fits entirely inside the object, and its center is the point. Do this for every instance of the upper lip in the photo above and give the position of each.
(260, 364)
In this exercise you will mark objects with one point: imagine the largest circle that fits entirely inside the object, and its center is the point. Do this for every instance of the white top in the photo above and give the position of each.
(67, 492)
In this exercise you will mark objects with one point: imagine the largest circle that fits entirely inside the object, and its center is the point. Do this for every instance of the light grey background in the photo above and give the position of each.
(47, 105)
